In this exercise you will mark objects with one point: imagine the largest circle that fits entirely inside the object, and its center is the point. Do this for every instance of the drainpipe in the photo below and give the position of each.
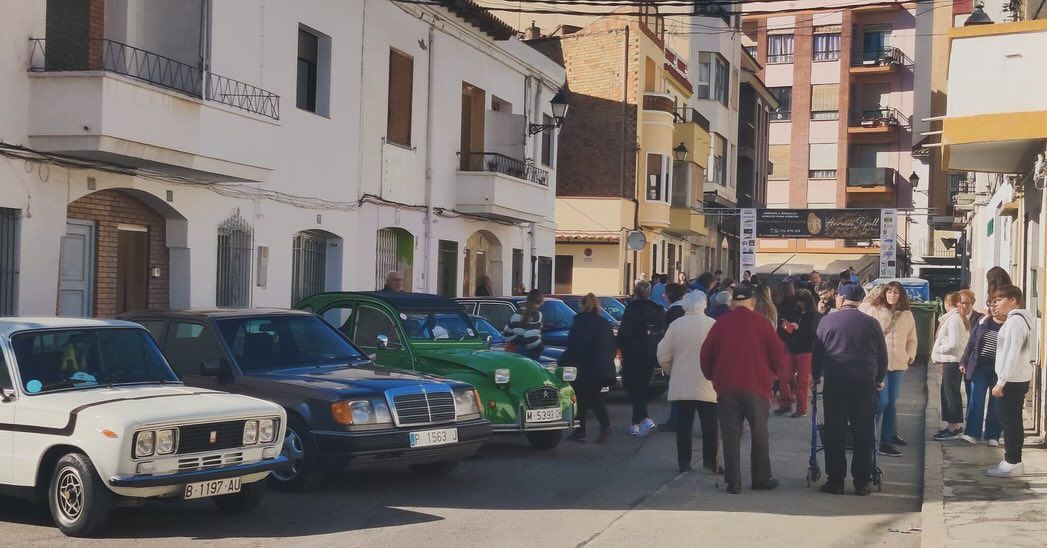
(427, 284)
(622, 153)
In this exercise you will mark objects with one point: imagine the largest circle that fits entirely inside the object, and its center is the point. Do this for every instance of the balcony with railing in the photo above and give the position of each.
(871, 186)
(494, 185)
(877, 120)
(142, 109)
(879, 60)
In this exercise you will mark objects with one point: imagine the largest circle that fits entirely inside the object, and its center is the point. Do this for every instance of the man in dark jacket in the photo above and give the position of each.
(851, 353)
(643, 325)
(740, 356)
(591, 349)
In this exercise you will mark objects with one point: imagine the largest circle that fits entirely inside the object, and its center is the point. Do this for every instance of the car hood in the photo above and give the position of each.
(485, 362)
(368, 378)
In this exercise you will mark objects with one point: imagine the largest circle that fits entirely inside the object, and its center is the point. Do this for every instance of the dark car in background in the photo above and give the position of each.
(557, 317)
(610, 308)
(342, 410)
(550, 354)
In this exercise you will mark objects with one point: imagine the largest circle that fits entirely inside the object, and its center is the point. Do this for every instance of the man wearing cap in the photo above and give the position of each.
(741, 369)
(851, 353)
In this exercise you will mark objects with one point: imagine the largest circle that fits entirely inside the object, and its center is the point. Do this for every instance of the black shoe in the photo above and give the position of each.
(889, 450)
(831, 489)
(734, 489)
(577, 435)
(768, 485)
(898, 441)
(861, 490)
(947, 435)
(667, 427)
(685, 467)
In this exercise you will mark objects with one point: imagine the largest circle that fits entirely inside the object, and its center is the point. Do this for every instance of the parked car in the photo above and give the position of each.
(557, 319)
(550, 354)
(610, 309)
(432, 334)
(90, 413)
(342, 410)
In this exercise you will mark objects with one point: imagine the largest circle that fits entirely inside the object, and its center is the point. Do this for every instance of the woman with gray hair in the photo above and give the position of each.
(689, 390)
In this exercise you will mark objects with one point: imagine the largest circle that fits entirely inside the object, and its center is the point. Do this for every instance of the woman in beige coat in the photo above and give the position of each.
(891, 309)
(679, 355)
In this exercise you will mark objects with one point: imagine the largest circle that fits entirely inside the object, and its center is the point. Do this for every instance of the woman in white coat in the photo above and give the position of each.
(891, 309)
(954, 330)
(678, 355)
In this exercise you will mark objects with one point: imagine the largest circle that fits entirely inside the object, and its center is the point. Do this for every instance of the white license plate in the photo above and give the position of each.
(212, 488)
(544, 415)
(434, 437)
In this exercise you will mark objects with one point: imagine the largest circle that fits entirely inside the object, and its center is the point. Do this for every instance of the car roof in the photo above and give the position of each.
(513, 299)
(404, 300)
(217, 312)
(9, 326)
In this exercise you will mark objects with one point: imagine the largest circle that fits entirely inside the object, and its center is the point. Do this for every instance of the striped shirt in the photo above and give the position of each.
(524, 335)
(987, 346)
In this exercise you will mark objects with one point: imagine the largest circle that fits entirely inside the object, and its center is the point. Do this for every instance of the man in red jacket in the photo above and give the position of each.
(740, 356)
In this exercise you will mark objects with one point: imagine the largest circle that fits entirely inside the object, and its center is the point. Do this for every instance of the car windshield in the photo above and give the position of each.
(276, 342)
(576, 305)
(613, 306)
(485, 328)
(64, 359)
(438, 326)
(556, 315)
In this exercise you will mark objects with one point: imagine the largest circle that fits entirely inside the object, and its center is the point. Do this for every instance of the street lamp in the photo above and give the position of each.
(559, 106)
(680, 152)
(978, 17)
(914, 180)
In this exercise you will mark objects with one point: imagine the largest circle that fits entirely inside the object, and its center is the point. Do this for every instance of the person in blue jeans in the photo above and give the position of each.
(979, 367)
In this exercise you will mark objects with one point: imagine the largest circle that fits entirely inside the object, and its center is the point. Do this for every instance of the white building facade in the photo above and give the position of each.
(169, 153)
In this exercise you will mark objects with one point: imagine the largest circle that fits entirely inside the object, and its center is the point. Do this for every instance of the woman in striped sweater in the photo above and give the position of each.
(524, 332)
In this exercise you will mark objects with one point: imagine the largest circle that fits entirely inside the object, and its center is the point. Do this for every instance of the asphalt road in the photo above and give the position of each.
(626, 493)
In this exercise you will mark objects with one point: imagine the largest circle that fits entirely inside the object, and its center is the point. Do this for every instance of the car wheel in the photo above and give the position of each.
(80, 503)
(302, 471)
(249, 497)
(546, 439)
(655, 391)
(434, 469)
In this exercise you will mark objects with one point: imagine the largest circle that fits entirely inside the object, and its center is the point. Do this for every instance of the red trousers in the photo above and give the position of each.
(797, 370)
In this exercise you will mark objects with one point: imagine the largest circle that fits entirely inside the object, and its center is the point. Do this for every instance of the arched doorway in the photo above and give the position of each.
(394, 251)
(118, 254)
(483, 258)
(316, 263)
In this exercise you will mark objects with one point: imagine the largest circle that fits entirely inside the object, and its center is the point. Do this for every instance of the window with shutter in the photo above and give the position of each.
(825, 101)
(823, 161)
(401, 95)
(779, 156)
(67, 31)
(779, 48)
(827, 43)
(784, 96)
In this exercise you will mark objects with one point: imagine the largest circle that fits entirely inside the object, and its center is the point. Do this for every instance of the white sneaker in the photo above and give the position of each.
(1006, 470)
(634, 430)
(969, 439)
(647, 426)
(993, 443)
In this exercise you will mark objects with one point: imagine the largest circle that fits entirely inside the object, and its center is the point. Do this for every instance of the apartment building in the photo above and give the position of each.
(163, 153)
(842, 135)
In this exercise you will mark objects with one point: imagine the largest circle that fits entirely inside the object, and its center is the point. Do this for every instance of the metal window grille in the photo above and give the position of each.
(309, 264)
(235, 246)
(386, 255)
(8, 261)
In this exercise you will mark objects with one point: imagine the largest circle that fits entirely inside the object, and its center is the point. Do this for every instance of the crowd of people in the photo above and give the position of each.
(731, 348)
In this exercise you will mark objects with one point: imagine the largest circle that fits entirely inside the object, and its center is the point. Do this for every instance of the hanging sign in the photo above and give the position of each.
(748, 242)
(888, 243)
(844, 224)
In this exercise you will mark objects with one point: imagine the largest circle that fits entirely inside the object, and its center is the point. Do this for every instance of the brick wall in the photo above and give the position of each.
(108, 209)
(592, 142)
(95, 33)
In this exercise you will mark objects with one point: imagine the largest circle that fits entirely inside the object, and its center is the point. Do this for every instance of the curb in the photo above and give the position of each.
(933, 510)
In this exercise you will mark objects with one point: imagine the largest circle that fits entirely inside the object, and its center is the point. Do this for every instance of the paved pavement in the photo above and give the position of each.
(964, 507)
(627, 493)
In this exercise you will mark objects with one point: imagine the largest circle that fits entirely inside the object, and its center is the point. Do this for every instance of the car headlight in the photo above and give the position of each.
(551, 367)
(361, 412)
(145, 443)
(381, 412)
(267, 430)
(250, 432)
(570, 373)
(165, 441)
(501, 376)
(467, 404)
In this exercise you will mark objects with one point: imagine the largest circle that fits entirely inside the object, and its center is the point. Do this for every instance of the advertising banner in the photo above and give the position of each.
(748, 242)
(845, 224)
(888, 243)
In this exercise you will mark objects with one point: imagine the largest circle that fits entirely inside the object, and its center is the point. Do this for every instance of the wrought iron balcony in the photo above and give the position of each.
(871, 176)
(69, 55)
(877, 118)
(494, 162)
(686, 115)
(881, 57)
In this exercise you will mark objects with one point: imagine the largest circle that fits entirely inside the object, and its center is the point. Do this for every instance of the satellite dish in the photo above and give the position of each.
(636, 240)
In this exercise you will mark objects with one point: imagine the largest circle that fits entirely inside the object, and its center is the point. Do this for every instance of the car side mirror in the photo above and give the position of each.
(213, 368)
(4, 396)
(488, 341)
(383, 342)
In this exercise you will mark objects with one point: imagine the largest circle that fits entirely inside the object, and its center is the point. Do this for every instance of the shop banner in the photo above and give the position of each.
(748, 242)
(844, 224)
(888, 243)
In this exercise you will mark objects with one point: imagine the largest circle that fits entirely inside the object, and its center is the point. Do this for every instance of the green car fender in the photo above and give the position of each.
(501, 401)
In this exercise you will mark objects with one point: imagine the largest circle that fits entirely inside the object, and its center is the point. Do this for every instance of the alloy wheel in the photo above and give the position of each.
(294, 450)
(69, 495)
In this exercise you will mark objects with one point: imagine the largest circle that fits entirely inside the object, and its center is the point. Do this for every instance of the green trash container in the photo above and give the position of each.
(926, 315)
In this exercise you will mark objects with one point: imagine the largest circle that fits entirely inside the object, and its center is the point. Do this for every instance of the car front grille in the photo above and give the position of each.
(195, 438)
(540, 398)
(195, 463)
(423, 408)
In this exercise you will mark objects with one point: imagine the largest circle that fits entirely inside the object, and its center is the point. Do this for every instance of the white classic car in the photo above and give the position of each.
(91, 414)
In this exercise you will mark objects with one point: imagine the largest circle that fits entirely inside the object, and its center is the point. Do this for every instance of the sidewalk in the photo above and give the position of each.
(964, 507)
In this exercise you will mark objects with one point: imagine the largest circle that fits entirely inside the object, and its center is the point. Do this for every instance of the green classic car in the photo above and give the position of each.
(432, 334)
